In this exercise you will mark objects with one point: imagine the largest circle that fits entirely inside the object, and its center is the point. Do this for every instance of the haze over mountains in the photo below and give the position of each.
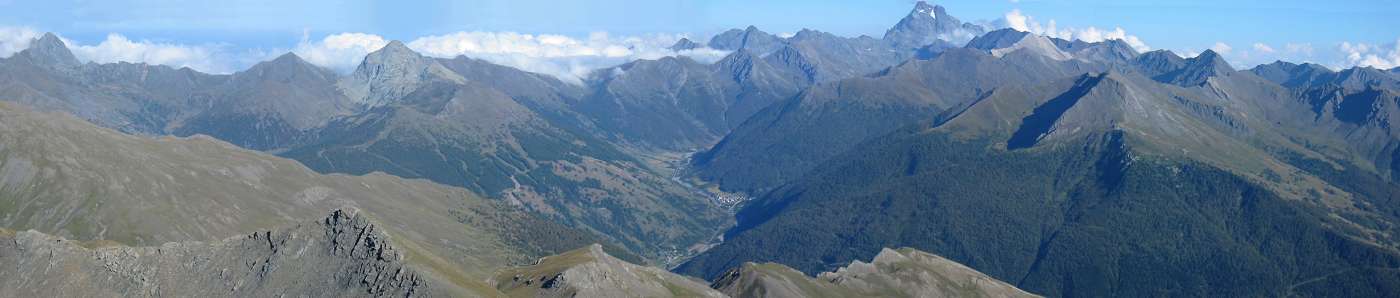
(1006, 163)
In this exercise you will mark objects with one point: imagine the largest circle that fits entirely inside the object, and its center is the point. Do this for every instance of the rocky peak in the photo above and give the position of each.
(739, 64)
(1293, 75)
(924, 10)
(592, 272)
(793, 58)
(51, 51)
(392, 72)
(905, 272)
(394, 53)
(1159, 62)
(751, 38)
(1211, 59)
(1362, 77)
(286, 66)
(1199, 69)
(1005, 41)
(927, 23)
(997, 39)
(684, 44)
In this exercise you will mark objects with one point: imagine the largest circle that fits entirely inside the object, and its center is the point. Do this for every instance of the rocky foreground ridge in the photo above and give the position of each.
(346, 254)
(343, 254)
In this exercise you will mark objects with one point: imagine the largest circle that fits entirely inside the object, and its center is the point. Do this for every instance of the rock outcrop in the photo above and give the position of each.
(905, 272)
(342, 255)
(591, 272)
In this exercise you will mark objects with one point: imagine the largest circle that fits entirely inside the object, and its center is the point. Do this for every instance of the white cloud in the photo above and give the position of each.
(567, 58)
(341, 52)
(1304, 49)
(118, 48)
(1222, 48)
(571, 59)
(1378, 56)
(15, 39)
(1021, 22)
(1263, 48)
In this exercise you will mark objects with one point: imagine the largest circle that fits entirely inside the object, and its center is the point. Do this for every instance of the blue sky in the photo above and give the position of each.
(238, 33)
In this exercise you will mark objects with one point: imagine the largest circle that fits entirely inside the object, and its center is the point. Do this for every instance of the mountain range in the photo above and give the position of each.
(1003, 163)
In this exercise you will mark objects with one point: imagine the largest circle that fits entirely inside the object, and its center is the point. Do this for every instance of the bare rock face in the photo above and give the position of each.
(904, 272)
(392, 72)
(591, 272)
(343, 254)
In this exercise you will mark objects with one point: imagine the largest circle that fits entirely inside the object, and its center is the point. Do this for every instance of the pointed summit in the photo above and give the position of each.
(684, 44)
(923, 7)
(924, 10)
(751, 38)
(1197, 70)
(285, 68)
(1293, 75)
(1159, 62)
(50, 50)
(1167, 67)
(392, 72)
(1211, 58)
(928, 23)
(395, 48)
(591, 272)
(393, 55)
(1005, 41)
(284, 59)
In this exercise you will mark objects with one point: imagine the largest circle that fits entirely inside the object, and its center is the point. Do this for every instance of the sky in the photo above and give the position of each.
(568, 38)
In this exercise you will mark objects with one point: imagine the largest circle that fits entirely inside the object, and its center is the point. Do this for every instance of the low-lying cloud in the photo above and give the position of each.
(340, 52)
(118, 48)
(570, 59)
(1378, 56)
(15, 39)
(1019, 21)
(564, 57)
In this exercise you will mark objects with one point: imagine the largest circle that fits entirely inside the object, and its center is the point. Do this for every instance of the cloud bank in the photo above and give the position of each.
(564, 57)
(1019, 21)
(15, 39)
(340, 52)
(1378, 56)
(1341, 56)
(570, 59)
(118, 48)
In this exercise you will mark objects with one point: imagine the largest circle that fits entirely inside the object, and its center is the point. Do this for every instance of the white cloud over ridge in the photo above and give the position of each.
(118, 48)
(15, 39)
(340, 52)
(567, 58)
(1378, 56)
(1019, 21)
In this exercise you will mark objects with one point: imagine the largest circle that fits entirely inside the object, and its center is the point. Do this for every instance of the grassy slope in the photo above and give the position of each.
(64, 176)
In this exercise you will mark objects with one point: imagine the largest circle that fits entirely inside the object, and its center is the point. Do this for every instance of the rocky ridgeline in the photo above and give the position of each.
(343, 254)
(904, 272)
(591, 272)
